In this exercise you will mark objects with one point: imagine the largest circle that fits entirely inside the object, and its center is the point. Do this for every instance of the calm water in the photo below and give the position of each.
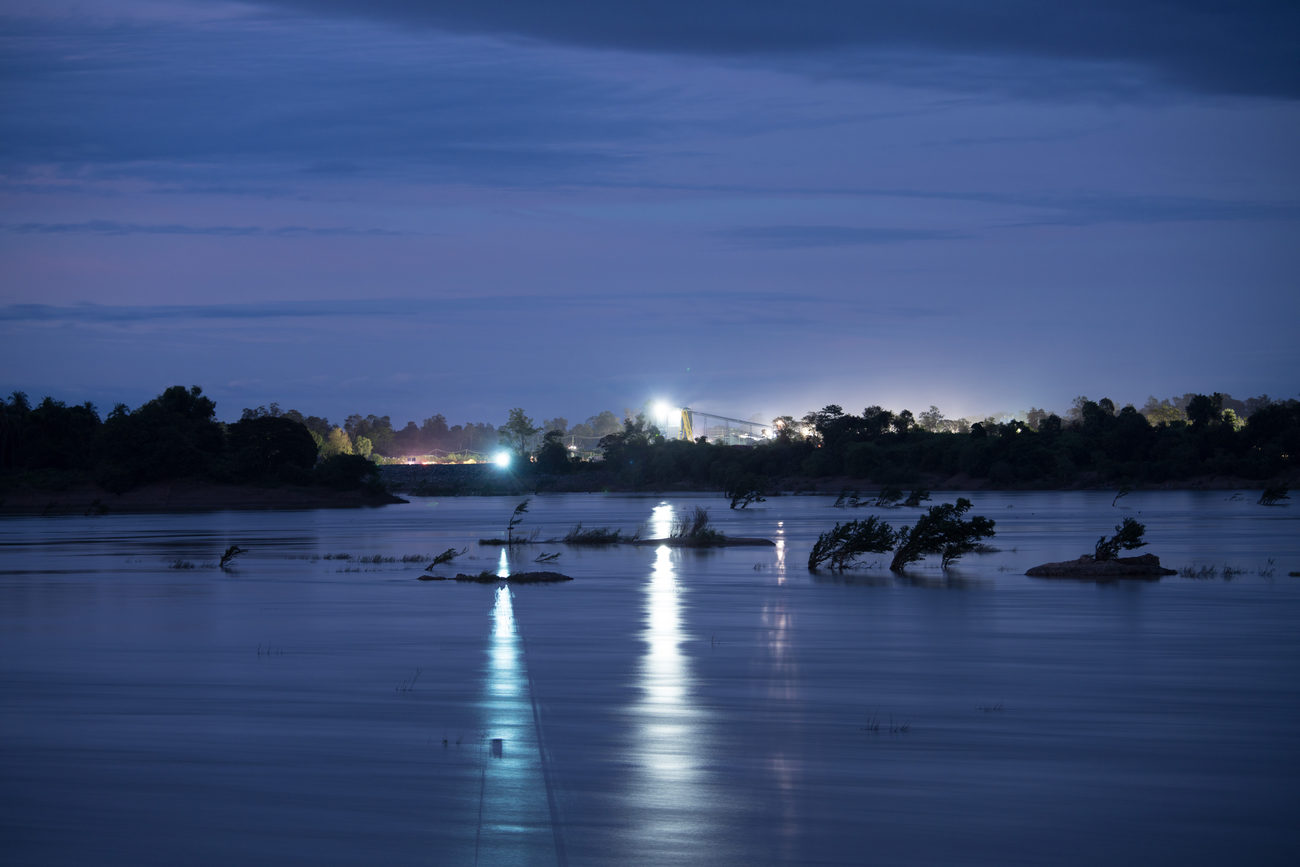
(665, 707)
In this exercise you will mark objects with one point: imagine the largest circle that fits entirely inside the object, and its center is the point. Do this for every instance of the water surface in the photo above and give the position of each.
(665, 707)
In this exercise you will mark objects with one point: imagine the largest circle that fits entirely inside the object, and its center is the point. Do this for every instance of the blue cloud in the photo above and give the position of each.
(1210, 46)
(113, 227)
(795, 237)
(191, 104)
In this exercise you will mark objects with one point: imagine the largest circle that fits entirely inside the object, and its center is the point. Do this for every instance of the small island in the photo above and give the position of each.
(543, 577)
(692, 530)
(1105, 564)
(1144, 567)
(719, 541)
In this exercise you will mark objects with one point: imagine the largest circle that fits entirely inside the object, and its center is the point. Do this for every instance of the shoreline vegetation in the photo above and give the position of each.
(171, 454)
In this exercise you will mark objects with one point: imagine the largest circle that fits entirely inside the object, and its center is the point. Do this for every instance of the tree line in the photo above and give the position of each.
(372, 435)
(174, 436)
(1095, 444)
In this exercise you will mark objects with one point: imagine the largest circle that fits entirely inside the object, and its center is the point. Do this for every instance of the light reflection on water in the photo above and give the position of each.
(665, 791)
(514, 816)
(780, 552)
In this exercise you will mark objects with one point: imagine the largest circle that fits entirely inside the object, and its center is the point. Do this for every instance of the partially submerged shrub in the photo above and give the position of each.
(1273, 495)
(743, 489)
(917, 497)
(231, 553)
(445, 557)
(888, 497)
(941, 530)
(1128, 537)
(594, 536)
(694, 526)
(846, 542)
(516, 517)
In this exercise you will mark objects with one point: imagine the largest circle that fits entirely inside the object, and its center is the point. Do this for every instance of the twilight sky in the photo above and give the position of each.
(755, 208)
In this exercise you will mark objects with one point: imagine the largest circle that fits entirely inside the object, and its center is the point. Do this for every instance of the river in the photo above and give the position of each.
(316, 704)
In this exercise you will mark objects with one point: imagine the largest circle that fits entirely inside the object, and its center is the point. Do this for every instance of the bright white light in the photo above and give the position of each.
(501, 459)
(665, 413)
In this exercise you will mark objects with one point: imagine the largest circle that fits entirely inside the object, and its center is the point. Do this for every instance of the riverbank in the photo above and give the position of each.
(447, 480)
(183, 496)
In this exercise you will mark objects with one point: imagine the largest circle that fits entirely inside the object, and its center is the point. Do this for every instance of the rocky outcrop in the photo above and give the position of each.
(1145, 567)
(494, 578)
(714, 541)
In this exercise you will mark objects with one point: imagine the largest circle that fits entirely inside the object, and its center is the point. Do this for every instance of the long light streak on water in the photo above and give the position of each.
(514, 814)
(666, 794)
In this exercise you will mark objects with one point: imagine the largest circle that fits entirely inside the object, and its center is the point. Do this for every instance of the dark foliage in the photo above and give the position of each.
(743, 489)
(1274, 495)
(271, 448)
(888, 497)
(846, 542)
(941, 530)
(347, 473)
(917, 497)
(1128, 537)
(553, 457)
(173, 436)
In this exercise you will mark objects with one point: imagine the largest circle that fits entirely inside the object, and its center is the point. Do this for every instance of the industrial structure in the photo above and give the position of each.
(690, 425)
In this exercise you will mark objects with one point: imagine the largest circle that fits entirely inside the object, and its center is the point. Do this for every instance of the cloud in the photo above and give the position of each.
(1242, 47)
(123, 314)
(257, 99)
(1096, 210)
(774, 309)
(113, 227)
(796, 237)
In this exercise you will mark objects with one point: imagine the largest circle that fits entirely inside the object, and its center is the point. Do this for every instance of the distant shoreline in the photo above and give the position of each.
(448, 480)
(183, 496)
(451, 480)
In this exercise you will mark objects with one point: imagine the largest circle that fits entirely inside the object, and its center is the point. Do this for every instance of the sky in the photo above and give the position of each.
(753, 208)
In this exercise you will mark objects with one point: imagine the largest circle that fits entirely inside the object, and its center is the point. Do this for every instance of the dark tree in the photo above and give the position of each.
(1128, 537)
(173, 436)
(347, 473)
(1203, 410)
(844, 543)
(743, 489)
(941, 530)
(553, 457)
(271, 447)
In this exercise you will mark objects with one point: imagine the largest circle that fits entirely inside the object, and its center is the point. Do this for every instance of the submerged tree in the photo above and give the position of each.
(846, 542)
(1273, 495)
(743, 489)
(888, 497)
(941, 530)
(516, 517)
(917, 497)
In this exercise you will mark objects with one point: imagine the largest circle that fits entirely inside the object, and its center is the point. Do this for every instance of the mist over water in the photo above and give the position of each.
(667, 706)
